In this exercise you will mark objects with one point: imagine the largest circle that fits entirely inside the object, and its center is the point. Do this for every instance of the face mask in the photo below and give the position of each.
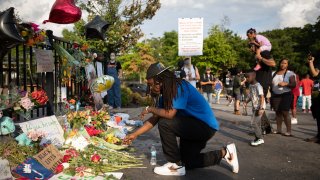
(112, 60)
(187, 62)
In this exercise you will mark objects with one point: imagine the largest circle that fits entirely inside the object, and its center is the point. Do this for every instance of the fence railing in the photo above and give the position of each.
(18, 67)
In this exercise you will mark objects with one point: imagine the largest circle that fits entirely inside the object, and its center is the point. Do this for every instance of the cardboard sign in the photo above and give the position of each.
(45, 61)
(50, 125)
(5, 172)
(190, 36)
(49, 157)
(32, 169)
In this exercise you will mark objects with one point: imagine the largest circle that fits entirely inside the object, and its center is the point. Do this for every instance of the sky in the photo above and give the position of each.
(243, 14)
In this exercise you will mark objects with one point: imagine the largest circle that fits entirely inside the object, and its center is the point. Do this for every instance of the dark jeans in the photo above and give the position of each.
(316, 113)
(194, 135)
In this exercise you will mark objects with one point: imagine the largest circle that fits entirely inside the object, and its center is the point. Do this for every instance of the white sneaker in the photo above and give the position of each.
(232, 158)
(257, 142)
(170, 169)
(294, 121)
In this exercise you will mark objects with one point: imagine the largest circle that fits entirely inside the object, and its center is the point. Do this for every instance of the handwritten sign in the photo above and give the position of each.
(45, 61)
(5, 172)
(50, 125)
(62, 176)
(190, 36)
(49, 157)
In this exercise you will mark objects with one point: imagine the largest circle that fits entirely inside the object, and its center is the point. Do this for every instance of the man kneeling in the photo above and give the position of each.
(182, 112)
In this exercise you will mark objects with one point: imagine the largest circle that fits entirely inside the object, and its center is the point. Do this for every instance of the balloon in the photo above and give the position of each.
(96, 28)
(102, 84)
(6, 126)
(9, 34)
(64, 12)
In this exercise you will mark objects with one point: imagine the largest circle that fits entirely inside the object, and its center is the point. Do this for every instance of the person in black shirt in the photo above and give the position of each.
(207, 82)
(114, 69)
(315, 71)
(179, 72)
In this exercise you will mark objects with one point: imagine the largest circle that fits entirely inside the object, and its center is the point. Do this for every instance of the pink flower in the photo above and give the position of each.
(26, 103)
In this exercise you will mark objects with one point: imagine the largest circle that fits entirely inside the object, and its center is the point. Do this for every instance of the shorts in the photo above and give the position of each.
(229, 92)
(294, 102)
(281, 102)
(237, 96)
(265, 48)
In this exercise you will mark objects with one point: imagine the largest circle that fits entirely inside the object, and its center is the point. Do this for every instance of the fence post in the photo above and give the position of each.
(49, 85)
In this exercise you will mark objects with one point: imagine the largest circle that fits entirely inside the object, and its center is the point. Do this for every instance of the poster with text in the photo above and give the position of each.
(50, 125)
(45, 61)
(190, 36)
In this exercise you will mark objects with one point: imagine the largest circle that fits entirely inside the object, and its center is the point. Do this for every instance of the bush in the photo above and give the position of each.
(126, 96)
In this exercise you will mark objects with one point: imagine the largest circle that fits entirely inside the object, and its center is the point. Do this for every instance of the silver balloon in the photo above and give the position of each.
(102, 84)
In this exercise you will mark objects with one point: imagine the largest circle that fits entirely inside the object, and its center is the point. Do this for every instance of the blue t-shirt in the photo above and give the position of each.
(189, 102)
(218, 86)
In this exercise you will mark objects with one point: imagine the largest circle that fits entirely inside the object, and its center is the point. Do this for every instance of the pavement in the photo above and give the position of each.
(279, 158)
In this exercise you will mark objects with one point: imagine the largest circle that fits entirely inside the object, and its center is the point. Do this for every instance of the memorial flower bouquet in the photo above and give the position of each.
(39, 97)
(36, 137)
(78, 119)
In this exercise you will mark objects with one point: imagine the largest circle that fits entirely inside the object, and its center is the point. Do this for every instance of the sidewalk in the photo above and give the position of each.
(279, 158)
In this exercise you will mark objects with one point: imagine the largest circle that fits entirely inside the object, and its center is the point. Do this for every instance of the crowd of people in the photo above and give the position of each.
(184, 109)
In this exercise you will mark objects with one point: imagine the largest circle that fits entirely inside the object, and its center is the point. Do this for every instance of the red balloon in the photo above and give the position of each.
(64, 12)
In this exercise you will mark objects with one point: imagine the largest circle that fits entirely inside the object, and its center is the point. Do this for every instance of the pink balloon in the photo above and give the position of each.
(64, 12)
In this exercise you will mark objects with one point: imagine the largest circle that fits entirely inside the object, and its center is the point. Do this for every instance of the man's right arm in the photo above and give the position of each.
(313, 70)
(269, 62)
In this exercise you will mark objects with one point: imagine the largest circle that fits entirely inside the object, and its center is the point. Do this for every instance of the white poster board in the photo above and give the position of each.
(190, 36)
(5, 172)
(45, 60)
(49, 125)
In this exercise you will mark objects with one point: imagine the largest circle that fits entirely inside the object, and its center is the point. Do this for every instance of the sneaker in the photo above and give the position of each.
(304, 111)
(170, 169)
(294, 121)
(232, 158)
(309, 111)
(110, 107)
(257, 142)
(257, 68)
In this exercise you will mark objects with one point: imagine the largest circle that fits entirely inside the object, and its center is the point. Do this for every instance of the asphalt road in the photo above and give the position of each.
(279, 158)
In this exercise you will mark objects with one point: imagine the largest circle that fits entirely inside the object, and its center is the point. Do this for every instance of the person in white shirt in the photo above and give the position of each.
(192, 73)
(256, 96)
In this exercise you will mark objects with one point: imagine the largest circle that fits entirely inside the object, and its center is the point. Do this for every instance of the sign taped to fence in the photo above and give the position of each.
(50, 125)
(45, 61)
(190, 36)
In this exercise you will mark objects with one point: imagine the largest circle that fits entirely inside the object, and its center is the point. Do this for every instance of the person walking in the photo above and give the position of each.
(315, 72)
(218, 87)
(282, 82)
(229, 86)
(256, 96)
(182, 112)
(237, 83)
(207, 83)
(114, 69)
(192, 73)
(307, 85)
(295, 93)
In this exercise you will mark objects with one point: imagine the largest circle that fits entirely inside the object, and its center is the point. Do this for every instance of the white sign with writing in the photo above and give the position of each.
(5, 172)
(49, 125)
(190, 36)
(45, 60)
(62, 176)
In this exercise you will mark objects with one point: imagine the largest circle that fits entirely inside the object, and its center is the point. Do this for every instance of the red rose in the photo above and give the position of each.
(95, 158)
(66, 158)
(59, 169)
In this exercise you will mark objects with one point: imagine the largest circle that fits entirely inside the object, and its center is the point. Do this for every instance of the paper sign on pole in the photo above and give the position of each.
(49, 157)
(190, 36)
(50, 125)
(45, 61)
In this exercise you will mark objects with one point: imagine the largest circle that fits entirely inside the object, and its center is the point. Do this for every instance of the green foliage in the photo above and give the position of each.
(126, 96)
(124, 18)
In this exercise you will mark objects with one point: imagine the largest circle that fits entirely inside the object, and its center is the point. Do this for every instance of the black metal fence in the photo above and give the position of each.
(18, 67)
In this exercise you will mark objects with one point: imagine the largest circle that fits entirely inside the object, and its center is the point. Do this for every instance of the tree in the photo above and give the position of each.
(137, 61)
(217, 52)
(125, 19)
